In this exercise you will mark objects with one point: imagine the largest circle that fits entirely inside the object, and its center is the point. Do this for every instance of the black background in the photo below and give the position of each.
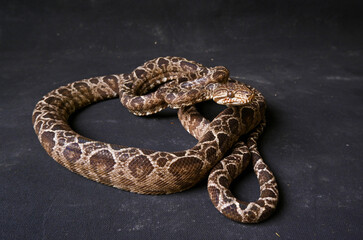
(304, 56)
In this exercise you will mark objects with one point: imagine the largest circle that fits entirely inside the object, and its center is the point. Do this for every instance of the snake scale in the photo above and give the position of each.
(159, 83)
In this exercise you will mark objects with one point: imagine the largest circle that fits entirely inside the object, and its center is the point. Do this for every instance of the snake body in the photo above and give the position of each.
(230, 167)
(179, 83)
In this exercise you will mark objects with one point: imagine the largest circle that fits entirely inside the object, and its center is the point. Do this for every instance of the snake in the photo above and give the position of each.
(159, 83)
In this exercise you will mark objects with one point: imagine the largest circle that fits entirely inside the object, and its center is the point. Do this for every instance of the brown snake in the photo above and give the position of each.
(165, 82)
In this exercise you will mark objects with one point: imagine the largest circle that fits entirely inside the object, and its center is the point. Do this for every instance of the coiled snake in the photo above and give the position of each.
(159, 83)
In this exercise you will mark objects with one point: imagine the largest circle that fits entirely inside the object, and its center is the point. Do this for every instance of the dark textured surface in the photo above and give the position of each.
(305, 57)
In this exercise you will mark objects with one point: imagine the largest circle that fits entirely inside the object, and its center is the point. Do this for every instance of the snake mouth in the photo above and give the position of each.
(234, 101)
(229, 101)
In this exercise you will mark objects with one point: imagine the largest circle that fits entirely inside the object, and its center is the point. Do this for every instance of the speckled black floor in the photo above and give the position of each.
(305, 57)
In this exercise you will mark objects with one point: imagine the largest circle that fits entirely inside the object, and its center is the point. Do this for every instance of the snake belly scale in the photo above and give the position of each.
(159, 83)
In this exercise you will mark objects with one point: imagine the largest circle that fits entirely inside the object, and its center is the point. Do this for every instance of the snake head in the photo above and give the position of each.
(232, 93)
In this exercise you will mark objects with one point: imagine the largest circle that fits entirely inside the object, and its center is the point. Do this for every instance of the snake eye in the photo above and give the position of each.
(230, 94)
